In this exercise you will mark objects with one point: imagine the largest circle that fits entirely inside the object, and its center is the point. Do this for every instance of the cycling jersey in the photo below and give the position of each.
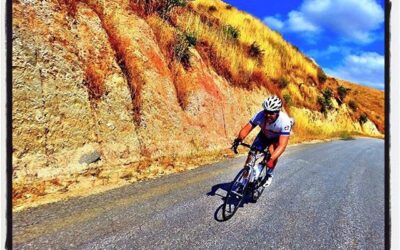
(282, 125)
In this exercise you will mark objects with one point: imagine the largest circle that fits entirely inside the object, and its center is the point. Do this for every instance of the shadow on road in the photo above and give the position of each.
(225, 187)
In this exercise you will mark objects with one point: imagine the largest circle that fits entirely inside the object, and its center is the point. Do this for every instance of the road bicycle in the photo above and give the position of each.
(248, 183)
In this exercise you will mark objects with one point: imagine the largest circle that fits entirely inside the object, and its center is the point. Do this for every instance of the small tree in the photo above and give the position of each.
(342, 91)
(322, 103)
(321, 76)
(325, 101)
(327, 93)
(363, 118)
(231, 32)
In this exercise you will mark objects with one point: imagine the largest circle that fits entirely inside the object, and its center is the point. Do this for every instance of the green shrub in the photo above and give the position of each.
(324, 106)
(255, 51)
(321, 76)
(191, 38)
(325, 101)
(327, 93)
(288, 99)
(231, 32)
(342, 91)
(353, 105)
(212, 8)
(181, 50)
(283, 82)
(363, 118)
(166, 8)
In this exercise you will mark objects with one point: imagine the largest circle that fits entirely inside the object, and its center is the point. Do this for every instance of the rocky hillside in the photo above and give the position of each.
(107, 93)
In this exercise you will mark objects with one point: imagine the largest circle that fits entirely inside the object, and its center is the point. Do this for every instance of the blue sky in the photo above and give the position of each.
(345, 37)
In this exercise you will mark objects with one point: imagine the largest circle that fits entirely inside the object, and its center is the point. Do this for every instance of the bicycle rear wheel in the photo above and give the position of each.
(234, 197)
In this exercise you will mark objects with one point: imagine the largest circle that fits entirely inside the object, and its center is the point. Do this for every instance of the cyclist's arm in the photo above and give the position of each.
(283, 142)
(245, 131)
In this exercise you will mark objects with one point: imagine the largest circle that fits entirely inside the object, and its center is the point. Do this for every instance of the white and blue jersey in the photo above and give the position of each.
(282, 125)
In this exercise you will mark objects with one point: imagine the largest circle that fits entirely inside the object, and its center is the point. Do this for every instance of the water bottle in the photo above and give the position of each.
(257, 170)
(253, 176)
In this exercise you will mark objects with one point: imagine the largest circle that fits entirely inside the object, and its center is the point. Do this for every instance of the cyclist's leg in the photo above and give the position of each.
(272, 147)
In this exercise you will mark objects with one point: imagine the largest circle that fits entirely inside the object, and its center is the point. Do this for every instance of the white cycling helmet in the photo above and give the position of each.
(272, 103)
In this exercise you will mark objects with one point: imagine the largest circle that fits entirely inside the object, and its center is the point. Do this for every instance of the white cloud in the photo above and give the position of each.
(297, 22)
(353, 20)
(325, 53)
(332, 51)
(366, 68)
(274, 23)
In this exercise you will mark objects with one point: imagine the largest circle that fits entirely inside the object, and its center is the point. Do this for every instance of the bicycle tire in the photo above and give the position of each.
(232, 200)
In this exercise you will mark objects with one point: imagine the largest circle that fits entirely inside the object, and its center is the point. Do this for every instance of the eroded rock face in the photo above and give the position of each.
(96, 103)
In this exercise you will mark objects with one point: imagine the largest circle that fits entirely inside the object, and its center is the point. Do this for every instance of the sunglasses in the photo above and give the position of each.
(271, 112)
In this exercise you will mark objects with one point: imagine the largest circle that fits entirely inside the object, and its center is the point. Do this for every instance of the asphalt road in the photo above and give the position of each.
(323, 196)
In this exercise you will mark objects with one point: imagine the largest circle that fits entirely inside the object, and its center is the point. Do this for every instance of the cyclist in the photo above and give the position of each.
(275, 132)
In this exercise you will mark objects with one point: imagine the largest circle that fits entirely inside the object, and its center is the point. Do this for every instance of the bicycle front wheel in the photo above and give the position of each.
(234, 197)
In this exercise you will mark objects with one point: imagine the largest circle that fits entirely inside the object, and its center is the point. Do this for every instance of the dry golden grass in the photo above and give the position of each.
(313, 126)
(370, 101)
(279, 57)
(228, 54)
(165, 35)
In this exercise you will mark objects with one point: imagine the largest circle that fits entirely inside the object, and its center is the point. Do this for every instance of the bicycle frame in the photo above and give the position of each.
(262, 152)
(255, 155)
